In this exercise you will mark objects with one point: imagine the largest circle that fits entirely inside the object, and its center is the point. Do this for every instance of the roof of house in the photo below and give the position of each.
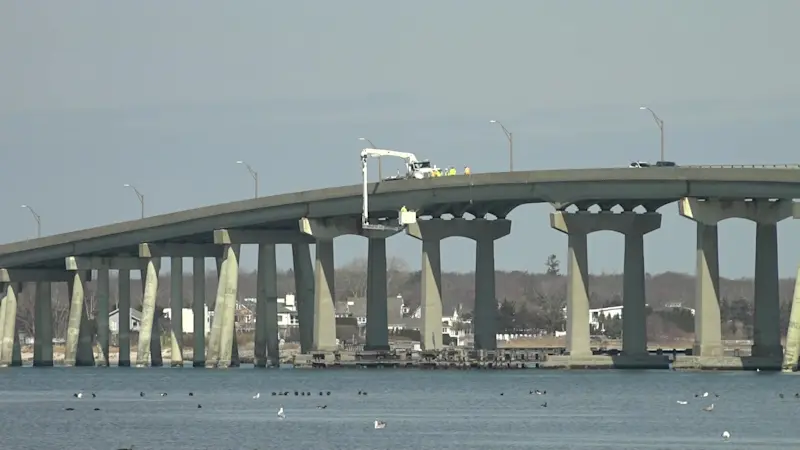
(357, 309)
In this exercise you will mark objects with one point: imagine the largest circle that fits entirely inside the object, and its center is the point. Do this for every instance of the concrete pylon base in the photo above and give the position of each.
(639, 362)
(765, 351)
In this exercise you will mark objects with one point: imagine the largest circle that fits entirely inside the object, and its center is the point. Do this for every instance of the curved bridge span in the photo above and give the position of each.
(479, 204)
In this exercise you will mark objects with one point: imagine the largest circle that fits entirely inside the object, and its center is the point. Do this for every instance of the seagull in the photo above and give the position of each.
(709, 408)
(163, 394)
(544, 405)
(705, 394)
(78, 395)
(379, 424)
(258, 395)
(726, 435)
(281, 415)
(683, 402)
(94, 395)
(322, 406)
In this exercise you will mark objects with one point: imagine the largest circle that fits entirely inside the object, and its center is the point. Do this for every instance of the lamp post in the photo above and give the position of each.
(380, 160)
(660, 124)
(510, 137)
(253, 174)
(138, 194)
(38, 220)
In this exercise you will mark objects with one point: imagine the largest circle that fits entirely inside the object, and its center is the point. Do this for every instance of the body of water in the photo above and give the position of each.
(423, 409)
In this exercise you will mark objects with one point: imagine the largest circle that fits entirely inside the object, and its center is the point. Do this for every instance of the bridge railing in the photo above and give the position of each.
(744, 166)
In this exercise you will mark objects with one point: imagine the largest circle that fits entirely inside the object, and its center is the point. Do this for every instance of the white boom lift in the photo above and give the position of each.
(415, 169)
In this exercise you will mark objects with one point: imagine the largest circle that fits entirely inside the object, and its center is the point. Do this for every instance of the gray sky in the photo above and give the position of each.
(168, 95)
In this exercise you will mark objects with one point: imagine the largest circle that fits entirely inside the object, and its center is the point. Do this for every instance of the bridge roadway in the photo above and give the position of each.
(479, 204)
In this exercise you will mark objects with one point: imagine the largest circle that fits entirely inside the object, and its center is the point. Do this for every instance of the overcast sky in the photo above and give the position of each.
(168, 95)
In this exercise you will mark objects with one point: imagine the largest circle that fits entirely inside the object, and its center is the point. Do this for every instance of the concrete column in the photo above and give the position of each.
(431, 298)
(707, 323)
(3, 307)
(199, 311)
(103, 294)
(212, 351)
(84, 356)
(43, 341)
(150, 282)
(304, 295)
(377, 297)
(324, 289)
(9, 323)
(230, 284)
(16, 353)
(634, 318)
(577, 295)
(766, 214)
(485, 317)
(124, 306)
(77, 287)
(176, 305)
(793, 334)
(266, 340)
(766, 320)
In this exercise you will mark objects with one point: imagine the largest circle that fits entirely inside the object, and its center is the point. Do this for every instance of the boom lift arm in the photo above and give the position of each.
(404, 217)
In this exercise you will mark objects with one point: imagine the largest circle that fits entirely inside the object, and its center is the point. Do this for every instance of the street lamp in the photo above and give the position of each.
(253, 174)
(660, 124)
(510, 137)
(380, 161)
(138, 194)
(38, 220)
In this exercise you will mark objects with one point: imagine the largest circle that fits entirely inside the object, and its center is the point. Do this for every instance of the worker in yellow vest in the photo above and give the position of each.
(467, 171)
(452, 171)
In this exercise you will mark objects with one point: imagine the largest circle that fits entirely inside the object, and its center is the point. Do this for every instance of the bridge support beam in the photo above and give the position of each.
(8, 318)
(267, 351)
(484, 232)
(43, 322)
(377, 295)
(124, 305)
(101, 319)
(148, 353)
(220, 344)
(577, 226)
(304, 285)
(267, 348)
(199, 309)
(73, 355)
(176, 308)
(793, 334)
(324, 231)
(766, 214)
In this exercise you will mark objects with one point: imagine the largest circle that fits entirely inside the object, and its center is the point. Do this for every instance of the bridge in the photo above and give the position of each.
(474, 206)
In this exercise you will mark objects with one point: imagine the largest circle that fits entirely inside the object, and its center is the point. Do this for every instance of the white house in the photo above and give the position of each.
(609, 312)
(187, 316)
(113, 320)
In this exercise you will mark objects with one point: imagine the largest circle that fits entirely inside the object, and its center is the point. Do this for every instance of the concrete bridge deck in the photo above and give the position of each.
(707, 196)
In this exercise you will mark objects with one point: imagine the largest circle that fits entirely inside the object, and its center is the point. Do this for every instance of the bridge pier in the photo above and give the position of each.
(43, 322)
(267, 345)
(101, 319)
(199, 310)
(148, 354)
(484, 232)
(577, 226)
(222, 338)
(377, 294)
(124, 322)
(8, 315)
(324, 232)
(766, 214)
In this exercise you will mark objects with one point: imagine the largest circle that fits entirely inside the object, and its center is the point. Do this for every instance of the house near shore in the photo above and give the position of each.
(135, 321)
